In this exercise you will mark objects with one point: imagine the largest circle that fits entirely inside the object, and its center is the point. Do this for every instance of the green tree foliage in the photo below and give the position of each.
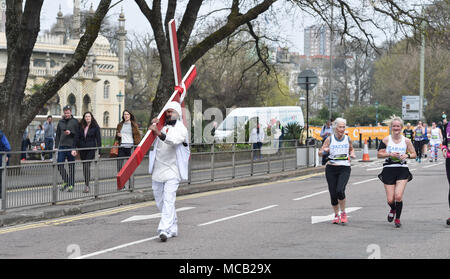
(397, 72)
(366, 115)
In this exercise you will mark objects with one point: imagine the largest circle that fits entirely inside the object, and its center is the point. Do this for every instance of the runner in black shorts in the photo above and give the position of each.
(396, 149)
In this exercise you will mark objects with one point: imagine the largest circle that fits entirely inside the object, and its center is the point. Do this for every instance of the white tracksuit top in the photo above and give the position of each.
(169, 159)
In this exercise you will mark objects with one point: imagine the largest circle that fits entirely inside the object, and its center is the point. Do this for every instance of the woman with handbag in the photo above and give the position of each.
(127, 136)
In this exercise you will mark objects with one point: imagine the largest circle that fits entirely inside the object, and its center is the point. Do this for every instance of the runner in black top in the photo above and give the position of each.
(408, 132)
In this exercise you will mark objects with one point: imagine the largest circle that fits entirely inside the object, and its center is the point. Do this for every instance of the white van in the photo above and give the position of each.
(266, 116)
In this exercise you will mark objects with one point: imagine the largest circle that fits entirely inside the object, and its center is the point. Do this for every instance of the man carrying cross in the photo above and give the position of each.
(168, 164)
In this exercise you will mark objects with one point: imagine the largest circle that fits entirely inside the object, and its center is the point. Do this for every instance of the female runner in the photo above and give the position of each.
(396, 149)
(337, 170)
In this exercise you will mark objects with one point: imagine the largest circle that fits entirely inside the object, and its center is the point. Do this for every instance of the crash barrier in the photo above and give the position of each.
(37, 182)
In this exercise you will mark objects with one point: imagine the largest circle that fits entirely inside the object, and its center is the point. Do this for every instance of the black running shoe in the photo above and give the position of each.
(448, 221)
(397, 223)
(163, 237)
(391, 216)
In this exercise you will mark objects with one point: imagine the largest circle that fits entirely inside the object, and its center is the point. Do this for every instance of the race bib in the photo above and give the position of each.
(341, 157)
(395, 159)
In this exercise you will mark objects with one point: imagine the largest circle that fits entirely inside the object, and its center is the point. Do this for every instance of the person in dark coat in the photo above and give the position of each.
(66, 132)
(88, 136)
(4, 147)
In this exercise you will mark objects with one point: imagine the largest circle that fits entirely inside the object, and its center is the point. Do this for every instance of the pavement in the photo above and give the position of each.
(17, 216)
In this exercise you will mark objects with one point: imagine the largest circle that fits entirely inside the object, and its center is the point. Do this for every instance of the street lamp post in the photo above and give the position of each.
(376, 113)
(307, 80)
(120, 99)
(422, 62)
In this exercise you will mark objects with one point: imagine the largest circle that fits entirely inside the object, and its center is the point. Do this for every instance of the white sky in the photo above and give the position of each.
(136, 22)
(289, 28)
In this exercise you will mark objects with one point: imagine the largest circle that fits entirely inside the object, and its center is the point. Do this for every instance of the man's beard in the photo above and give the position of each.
(172, 120)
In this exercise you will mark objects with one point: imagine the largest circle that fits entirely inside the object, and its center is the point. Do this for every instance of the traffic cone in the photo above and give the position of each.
(365, 157)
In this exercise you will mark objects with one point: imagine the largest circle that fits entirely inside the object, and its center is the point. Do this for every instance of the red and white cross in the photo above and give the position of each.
(181, 86)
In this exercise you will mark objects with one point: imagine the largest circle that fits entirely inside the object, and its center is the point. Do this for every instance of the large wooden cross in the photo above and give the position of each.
(181, 86)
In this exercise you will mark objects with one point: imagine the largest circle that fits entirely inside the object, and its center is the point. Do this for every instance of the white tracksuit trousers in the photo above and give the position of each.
(165, 196)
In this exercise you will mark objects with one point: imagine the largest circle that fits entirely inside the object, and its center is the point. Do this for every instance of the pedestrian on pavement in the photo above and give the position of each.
(49, 135)
(168, 164)
(38, 140)
(257, 138)
(39, 134)
(26, 144)
(127, 136)
(396, 149)
(66, 133)
(4, 147)
(88, 136)
(419, 140)
(446, 153)
(435, 141)
(339, 148)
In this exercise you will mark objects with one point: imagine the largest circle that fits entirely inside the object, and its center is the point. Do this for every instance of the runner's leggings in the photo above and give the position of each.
(434, 151)
(418, 146)
(337, 178)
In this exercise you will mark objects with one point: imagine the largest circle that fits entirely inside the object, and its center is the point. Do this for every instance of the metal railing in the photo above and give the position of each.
(39, 182)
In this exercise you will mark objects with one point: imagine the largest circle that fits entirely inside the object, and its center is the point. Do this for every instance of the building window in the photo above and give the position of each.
(105, 119)
(86, 104)
(71, 101)
(106, 89)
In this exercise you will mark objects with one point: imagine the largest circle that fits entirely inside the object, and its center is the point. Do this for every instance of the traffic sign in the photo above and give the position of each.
(307, 78)
(410, 107)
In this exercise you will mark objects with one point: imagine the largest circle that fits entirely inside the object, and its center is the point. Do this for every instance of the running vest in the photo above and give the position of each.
(395, 147)
(339, 151)
(418, 134)
(408, 133)
(435, 137)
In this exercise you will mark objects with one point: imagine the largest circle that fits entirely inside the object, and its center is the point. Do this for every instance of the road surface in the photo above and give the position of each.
(283, 219)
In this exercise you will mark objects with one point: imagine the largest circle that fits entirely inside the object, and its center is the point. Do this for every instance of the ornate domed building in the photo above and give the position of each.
(99, 85)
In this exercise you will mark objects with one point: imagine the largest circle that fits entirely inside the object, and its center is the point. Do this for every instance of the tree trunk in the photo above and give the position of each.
(18, 109)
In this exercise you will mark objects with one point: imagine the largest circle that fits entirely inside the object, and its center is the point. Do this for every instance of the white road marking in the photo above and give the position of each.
(309, 196)
(238, 215)
(117, 247)
(319, 219)
(429, 166)
(364, 181)
(152, 216)
(379, 168)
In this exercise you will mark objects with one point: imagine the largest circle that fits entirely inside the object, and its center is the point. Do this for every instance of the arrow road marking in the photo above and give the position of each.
(152, 216)
(319, 219)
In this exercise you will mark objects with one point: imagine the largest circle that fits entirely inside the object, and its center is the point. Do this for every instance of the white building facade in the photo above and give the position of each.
(93, 88)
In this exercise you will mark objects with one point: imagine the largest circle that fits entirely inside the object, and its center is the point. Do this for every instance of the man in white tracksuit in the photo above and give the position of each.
(168, 164)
